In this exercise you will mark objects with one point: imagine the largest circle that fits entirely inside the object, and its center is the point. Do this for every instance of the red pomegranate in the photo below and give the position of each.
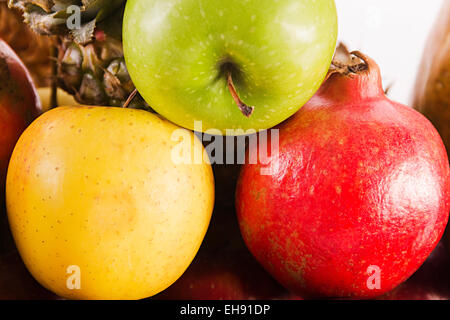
(430, 282)
(359, 192)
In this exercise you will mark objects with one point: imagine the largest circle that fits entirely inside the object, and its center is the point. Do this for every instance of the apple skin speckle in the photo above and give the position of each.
(97, 198)
(279, 52)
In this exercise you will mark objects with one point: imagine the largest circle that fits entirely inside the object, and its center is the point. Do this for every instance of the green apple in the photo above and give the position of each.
(235, 64)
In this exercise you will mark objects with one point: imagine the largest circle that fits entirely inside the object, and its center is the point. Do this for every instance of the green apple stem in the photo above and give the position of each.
(130, 98)
(245, 109)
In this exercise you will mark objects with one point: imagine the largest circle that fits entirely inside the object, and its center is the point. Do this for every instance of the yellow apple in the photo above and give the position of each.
(98, 207)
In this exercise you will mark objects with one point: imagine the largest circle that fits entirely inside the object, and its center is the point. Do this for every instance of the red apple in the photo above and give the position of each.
(19, 104)
(226, 178)
(224, 269)
(16, 283)
(226, 275)
(359, 193)
(227, 149)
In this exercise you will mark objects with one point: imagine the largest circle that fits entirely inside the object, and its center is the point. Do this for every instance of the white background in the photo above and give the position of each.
(393, 32)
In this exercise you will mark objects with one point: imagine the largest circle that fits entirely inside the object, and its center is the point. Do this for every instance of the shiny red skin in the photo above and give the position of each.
(226, 275)
(359, 180)
(224, 269)
(19, 104)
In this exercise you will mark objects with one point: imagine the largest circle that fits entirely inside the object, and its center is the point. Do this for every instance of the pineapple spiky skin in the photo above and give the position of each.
(90, 62)
(50, 17)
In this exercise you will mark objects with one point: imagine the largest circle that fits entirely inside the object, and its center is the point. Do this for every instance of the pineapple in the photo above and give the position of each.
(34, 50)
(90, 62)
